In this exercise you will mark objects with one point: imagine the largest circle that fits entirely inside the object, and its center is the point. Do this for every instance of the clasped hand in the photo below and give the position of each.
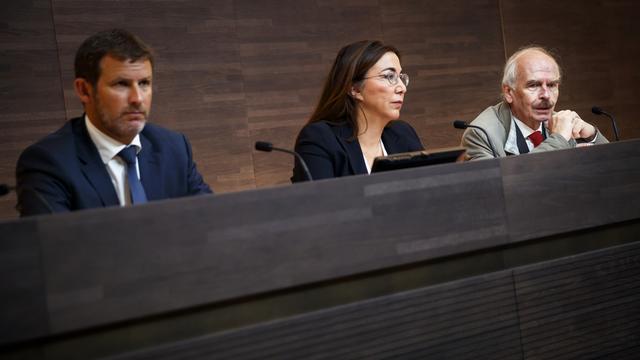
(569, 124)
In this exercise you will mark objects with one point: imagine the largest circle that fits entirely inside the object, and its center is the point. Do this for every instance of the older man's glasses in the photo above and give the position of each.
(392, 78)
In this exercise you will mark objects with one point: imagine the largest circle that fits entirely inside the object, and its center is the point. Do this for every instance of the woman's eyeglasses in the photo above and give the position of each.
(392, 78)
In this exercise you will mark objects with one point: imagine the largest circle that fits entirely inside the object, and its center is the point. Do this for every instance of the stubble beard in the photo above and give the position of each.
(119, 128)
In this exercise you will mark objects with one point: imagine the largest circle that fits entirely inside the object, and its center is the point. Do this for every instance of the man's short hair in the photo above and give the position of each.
(117, 43)
(510, 73)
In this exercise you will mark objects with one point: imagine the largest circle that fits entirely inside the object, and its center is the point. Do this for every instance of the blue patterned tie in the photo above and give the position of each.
(138, 196)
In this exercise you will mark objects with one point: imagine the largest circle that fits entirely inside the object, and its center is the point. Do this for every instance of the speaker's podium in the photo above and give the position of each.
(535, 256)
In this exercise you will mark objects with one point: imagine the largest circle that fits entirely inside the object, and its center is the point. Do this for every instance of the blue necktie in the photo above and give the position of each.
(138, 196)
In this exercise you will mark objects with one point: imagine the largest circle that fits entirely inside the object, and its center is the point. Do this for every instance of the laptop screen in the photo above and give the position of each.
(417, 158)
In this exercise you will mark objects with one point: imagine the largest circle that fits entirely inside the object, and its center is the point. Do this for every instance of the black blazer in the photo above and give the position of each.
(66, 170)
(329, 152)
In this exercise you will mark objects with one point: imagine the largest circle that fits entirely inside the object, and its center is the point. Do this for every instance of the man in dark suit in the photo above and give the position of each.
(109, 156)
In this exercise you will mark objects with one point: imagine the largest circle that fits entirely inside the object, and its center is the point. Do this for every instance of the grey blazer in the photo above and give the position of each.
(496, 120)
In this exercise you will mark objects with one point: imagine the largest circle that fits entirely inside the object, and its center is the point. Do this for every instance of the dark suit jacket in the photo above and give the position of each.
(64, 171)
(329, 152)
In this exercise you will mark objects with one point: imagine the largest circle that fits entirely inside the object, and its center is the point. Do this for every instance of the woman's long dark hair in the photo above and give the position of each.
(349, 68)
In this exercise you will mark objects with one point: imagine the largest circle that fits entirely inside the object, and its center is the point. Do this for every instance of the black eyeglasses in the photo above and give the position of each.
(392, 78)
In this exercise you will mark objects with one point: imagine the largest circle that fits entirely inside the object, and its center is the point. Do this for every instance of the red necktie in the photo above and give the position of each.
(536, 138)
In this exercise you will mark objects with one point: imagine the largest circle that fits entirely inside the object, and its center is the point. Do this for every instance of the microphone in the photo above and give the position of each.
(268, 147)
(459, 124)
(598, 111)
(5, 189)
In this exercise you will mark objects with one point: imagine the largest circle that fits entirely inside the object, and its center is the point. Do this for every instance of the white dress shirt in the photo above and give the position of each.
(108, 149)
(511, 145)
(384, 153)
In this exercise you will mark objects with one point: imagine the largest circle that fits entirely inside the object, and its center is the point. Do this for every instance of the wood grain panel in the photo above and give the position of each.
(198, 80)
(287, 48)
(31, 103)
(468, 319)
(576, 176)
(581, 306)
(275, 253)
(453, 54)
(598, 43)
(623, 42)
(260, 241)
(23, 310)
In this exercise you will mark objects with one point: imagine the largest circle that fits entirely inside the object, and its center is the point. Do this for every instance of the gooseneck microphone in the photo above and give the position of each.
(5, 189)
(268, 147)
(459, 124)
(598, 111)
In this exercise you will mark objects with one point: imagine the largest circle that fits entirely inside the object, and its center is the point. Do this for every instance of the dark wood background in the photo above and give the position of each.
(230, 72)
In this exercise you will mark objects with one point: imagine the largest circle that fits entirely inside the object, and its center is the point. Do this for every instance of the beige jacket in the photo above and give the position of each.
(496, 120)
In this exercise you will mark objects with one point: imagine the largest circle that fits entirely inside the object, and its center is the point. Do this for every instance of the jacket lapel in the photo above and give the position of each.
(91, 165)
(351, 147)
(392, 143)
(504, 115)
(149, 165)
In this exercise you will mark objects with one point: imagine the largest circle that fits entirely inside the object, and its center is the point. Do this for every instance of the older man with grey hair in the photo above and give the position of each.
(525, 121)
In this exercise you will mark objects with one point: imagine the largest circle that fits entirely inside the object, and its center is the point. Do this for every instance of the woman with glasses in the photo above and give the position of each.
(356, 118)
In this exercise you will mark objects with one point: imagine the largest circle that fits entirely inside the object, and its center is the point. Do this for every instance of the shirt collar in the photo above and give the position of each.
(511, 145)
(526, 130)
(108, 147)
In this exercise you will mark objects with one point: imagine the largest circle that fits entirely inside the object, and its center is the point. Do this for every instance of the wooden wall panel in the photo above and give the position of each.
(287, 47)
(598, 45)
(575, 307)
(453, 54)
(623, 42)
(474, 318)
(31, 103)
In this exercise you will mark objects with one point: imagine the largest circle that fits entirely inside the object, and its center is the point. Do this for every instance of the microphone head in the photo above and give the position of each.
(4, 189)
(264, 146)
(459, 124)
(597, 110)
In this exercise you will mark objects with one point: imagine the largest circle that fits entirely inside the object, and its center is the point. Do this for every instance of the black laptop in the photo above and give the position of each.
(417, 158)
